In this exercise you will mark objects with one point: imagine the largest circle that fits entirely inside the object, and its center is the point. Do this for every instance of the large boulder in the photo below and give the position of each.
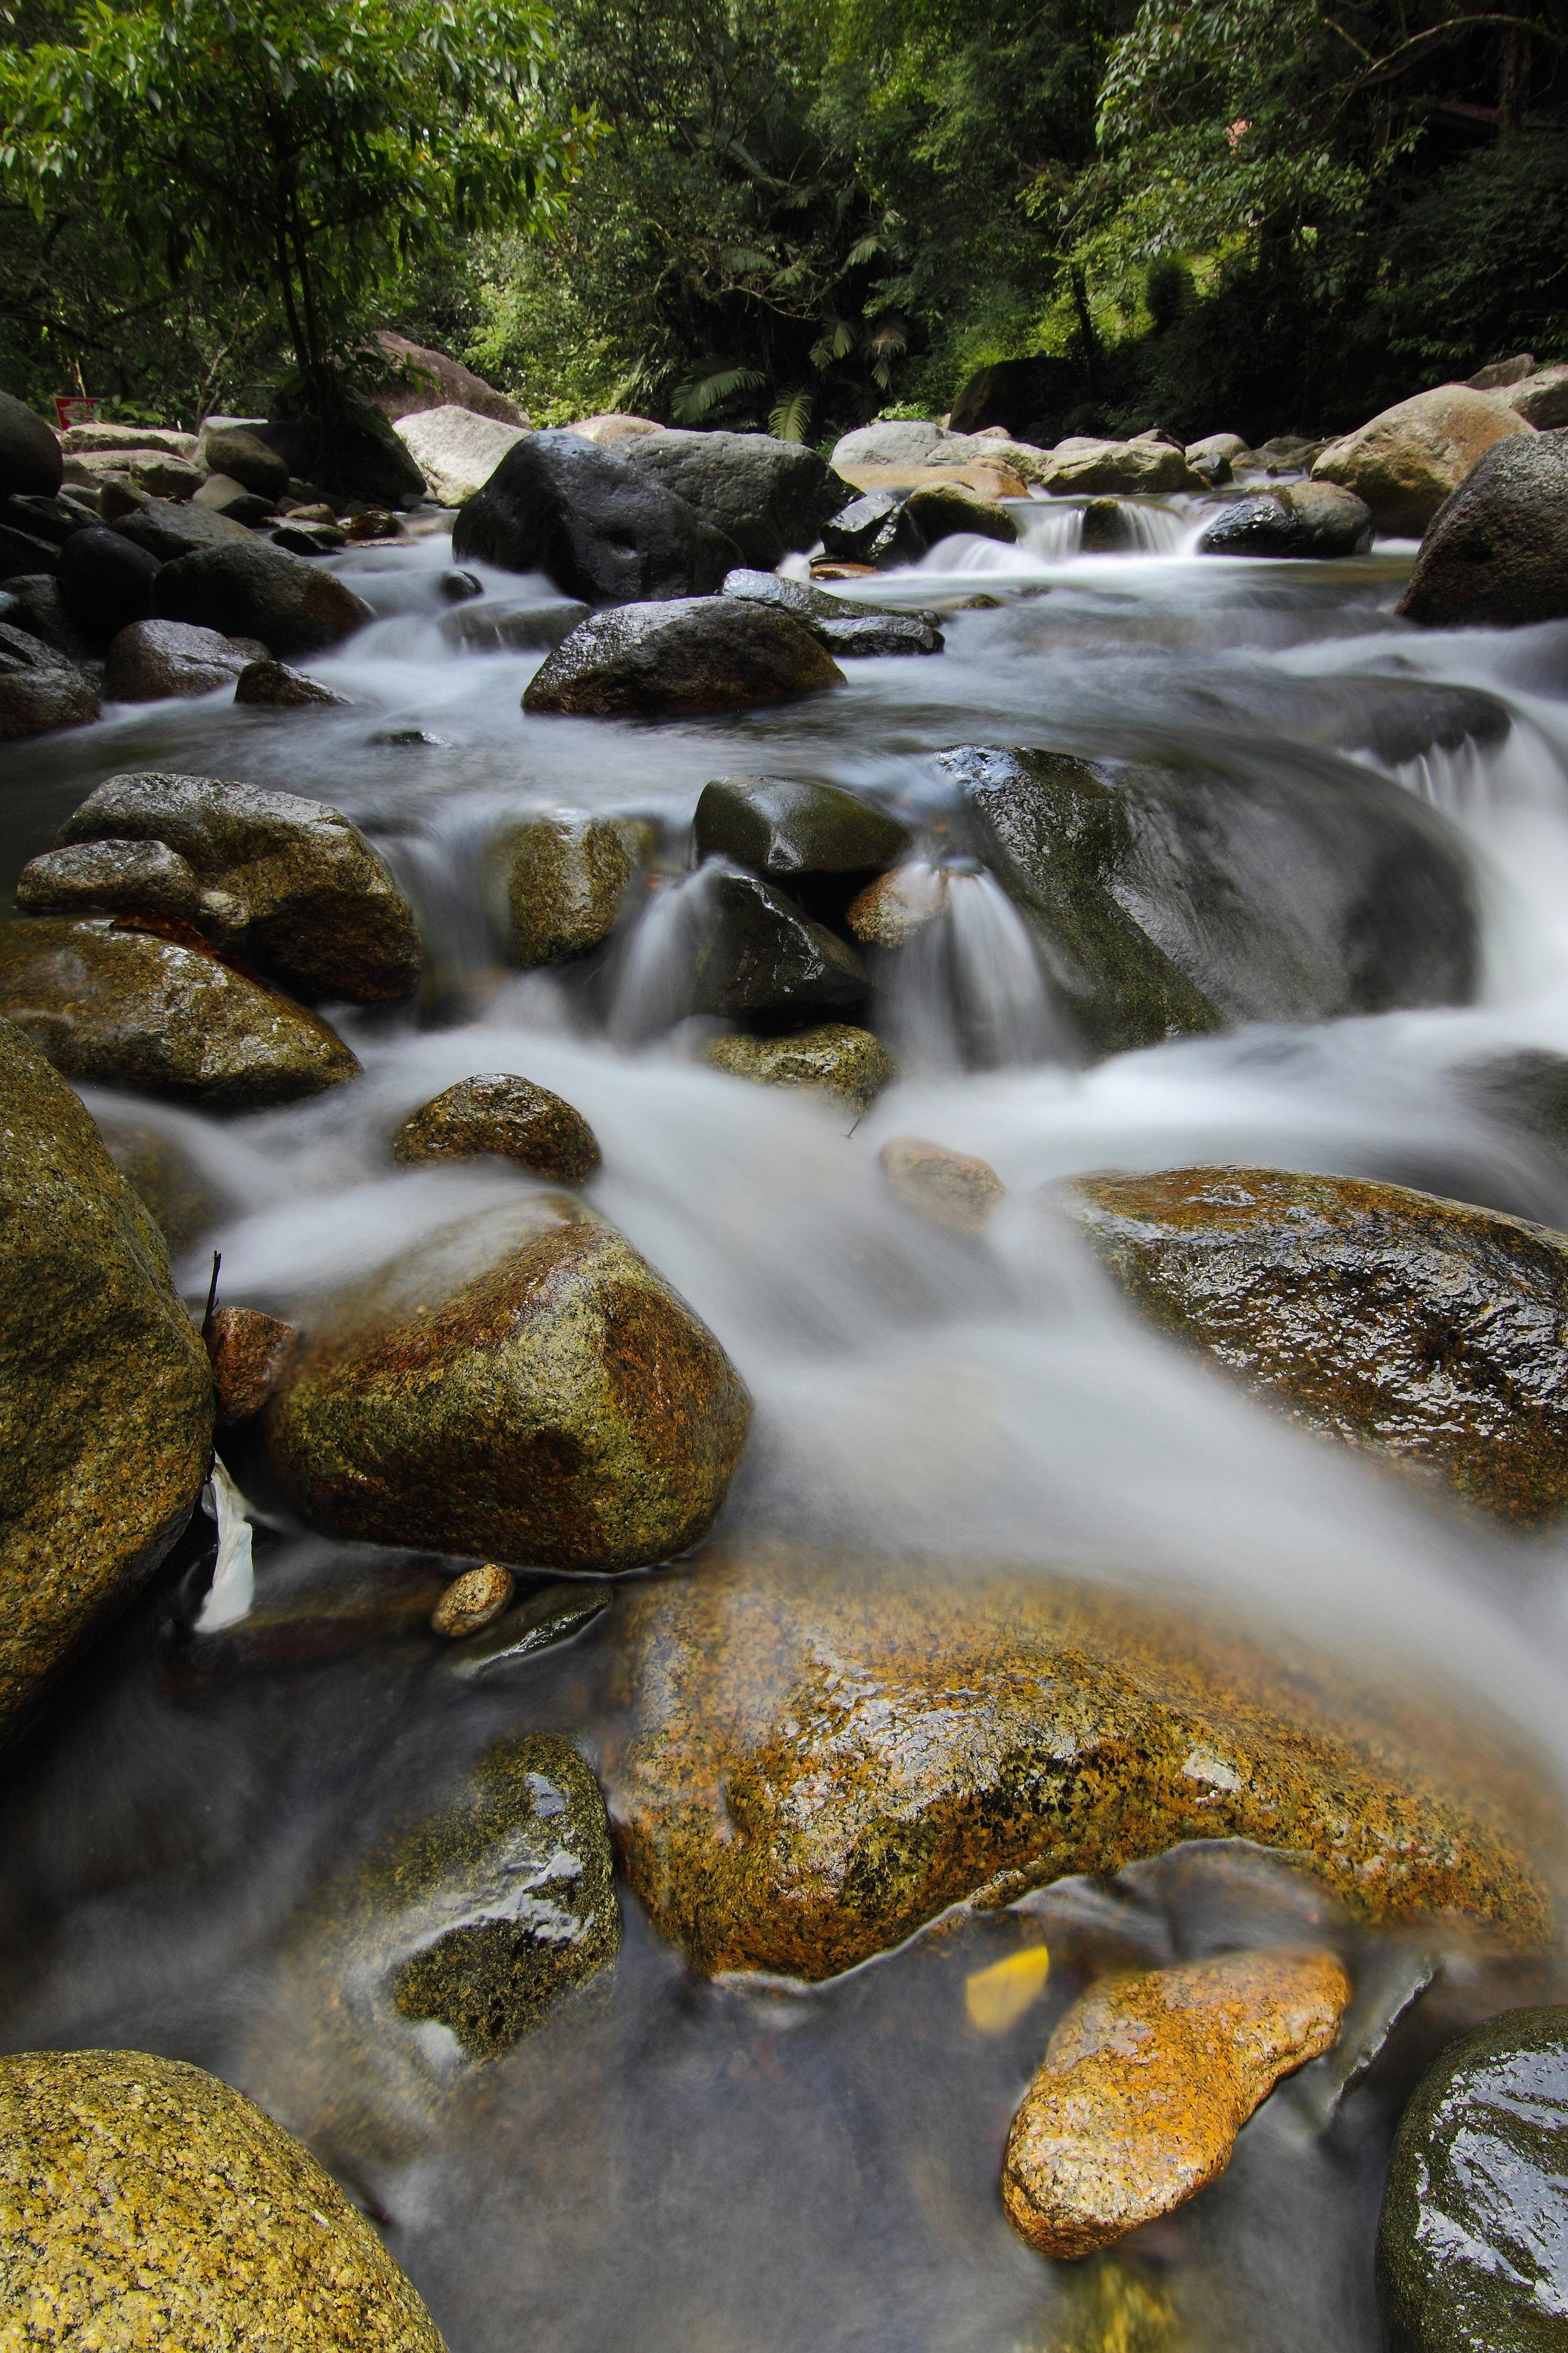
(456, 450)
(107, 583)
(289, 883)
(689, 654)
(106, 1399)
(124, 1007)
(904, 441)
(40, 689)
(821, 1755)
(560, 878)
(92, 440)
(167, 531)
(771, 497)
(760, 955)
(1424, 1331)
(1168, 900)
(1495, 552)
(1469, 2248)
(523, 1388)
(1404, 462)
(356, 454)
(30, 456)
(150, 660)
(599, 530)
(422, 380)
(236, 453)
(34, 602)
(148, 2203)
(1124, 469)
(1541, 397)
(1307, 519)
(261, 591)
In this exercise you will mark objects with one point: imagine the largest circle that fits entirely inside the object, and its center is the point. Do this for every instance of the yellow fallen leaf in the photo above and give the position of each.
(996, 1998)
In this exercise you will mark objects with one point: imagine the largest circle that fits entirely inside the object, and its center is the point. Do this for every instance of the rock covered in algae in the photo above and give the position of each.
(565, 877)
(821, 1755)
(145, 2204)
(1427, 1330)
(500, 1113)
(104, 1391)
(836, 1057)
(523, 1389)
(1146, 2083)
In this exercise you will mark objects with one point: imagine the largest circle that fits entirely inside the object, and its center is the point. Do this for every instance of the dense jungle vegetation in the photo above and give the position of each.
(1254, 215)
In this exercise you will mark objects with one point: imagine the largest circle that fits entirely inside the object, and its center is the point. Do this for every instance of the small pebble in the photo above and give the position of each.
(473, 1601)
(247, 1352)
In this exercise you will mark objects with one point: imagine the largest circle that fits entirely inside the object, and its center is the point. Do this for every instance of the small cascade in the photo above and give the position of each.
(967, 992)
(1050, 529)
(651, 988)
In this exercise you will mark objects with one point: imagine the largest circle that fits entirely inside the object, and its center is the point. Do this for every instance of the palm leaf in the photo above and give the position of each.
(700, 395)
(790, 418)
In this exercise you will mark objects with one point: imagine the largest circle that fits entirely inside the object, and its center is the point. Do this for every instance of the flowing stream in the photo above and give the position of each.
(673, 2166)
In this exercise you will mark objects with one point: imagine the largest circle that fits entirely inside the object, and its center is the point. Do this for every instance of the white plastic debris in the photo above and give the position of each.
(233, 1589)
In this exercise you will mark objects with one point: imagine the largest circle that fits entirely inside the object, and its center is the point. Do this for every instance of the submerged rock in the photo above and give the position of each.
(786, 828)
(123, 1007)
(512, 628)
(1167, 901)
(836, 1057)
(558, 504)
(689, 654)
(1406, 460)
(247, 1352)
(761, 954)
(770, 497)
(1470, 2250)
(823, 1754)
(546, 1615)
(104, 1385)
(473, 1601)
(261, 591)
(150, 660)
(1495, 552)
(890, 912)
(179, 1196)
(1427, 1331)
(564, 875)
(275, 686)
(502, 1114)
(1306, 520)
(287, 882)
(523, 1388)
(147, 2203)
(1146, 2083)
(950, 1189)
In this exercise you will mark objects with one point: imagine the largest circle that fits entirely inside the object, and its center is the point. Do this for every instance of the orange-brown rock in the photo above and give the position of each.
(950, 1189)
(473, 1601)
(247, 1352)
(1429, 1331)
(888, 912)
(1146, 2083)
(821, 1754)
(502, 1114)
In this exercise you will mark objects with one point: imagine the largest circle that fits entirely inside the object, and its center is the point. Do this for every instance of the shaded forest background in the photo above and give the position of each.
(1262, 215)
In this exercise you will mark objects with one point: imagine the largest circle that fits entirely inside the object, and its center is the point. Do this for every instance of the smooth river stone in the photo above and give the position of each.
(502, 1114)
(835, 1058)
(666, 661)
(950, 1189)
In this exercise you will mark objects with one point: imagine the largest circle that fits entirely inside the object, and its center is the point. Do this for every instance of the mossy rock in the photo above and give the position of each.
(499, 1113)
(562, 877)
(835, 1058)
(147, 2205)
(823, 1754)
(103, 1379)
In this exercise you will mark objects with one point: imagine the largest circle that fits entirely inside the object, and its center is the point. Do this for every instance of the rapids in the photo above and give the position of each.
(671, 2167)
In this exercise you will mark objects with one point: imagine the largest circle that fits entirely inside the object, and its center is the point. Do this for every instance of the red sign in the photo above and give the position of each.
(76, 408)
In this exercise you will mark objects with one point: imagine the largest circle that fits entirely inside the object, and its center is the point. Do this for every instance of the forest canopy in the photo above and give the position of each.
(1255, 215)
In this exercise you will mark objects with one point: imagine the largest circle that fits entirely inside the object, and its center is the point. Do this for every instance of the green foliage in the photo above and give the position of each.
(1478, 259)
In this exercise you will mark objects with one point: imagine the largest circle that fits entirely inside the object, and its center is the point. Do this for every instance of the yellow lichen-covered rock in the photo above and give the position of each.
(500, 1113)
(145, 2204)
(563, 877)
(821, 1754)
(1148, 2080)
(836, 1058)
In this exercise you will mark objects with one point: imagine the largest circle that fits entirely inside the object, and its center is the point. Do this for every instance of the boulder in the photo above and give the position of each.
(423, 380)
(247, 1352)
(223, 495)
(274, 686)
(34, 602)
(1499, 374)
(456, 450)
(114, 877)
(843, 627)
(822, 1754)
(167, 531)
(52, 521)
(261, 591)
(1126, 469)
(502, 1114)
(150, 660)
(310, 538)
(1542, 398)
(154, 473)
(1406, 460)
(234, 451)
(760, 955)
(1469, 2247)
(1425, 1331)
(21, 553)
(357, 455)
(106, 1397)
(523, 1388)
(1166, 901)
(691, 654)
(794, 830)
(947, 1189)
(613, 425)
(1314, 520)
(1216, 455)
(495, 628)
(940, 510)
(835, 1058)
(1495, 552)
(904, 441)
(1146, 2083)
(107, 583)
(39, 689)
(562, 878)
(874, 529)
(115, 1006)
(600, 531)
(289, 882)
(94, 440)
(148, 2203)
(30, 457)
(771, 497)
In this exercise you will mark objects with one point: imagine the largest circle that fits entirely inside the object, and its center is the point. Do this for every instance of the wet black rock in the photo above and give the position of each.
(1172, 901)
(112, 878)
(1527, 1089)
(787, 829)
(39, 689)
(874, 529)
(36, 603)
(1495, 554)
(261, 591)
(456, 587)
(691, 654)
(274, 685)
(30, 457)
(843, 628)
(762, 956)
(1309, 520)
(771, 497)
(1107, 528)
(170, 528)
(560, 505)
(150, 660)
(53, 520)
(1472, 2255)
(107, 583)
(512, 629)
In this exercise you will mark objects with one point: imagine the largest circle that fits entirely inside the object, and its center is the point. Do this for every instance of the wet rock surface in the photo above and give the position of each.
(261, 591)
(1471, 2255)
(835, 1058)
(601, 531)
(184, 1201)
(761, 954)
(148, 2203)
(473, 1601)
(940, 510)
(39, 689)
(275, 685)
(122, 1007)
(1314, 520)
(689, 654)
(770, 497)
(512, 629)
(142, 878)
(1406, 460)
(819, 1756)
(502, 1114)
(103, 1387)
(787, 829)
(152, 659)
(1495, 552)
(525, 1390)
(1146, 2083)
(107, 583)
(247, 1352)
(1423, 1330)
(546, 1615)
(562, 877)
